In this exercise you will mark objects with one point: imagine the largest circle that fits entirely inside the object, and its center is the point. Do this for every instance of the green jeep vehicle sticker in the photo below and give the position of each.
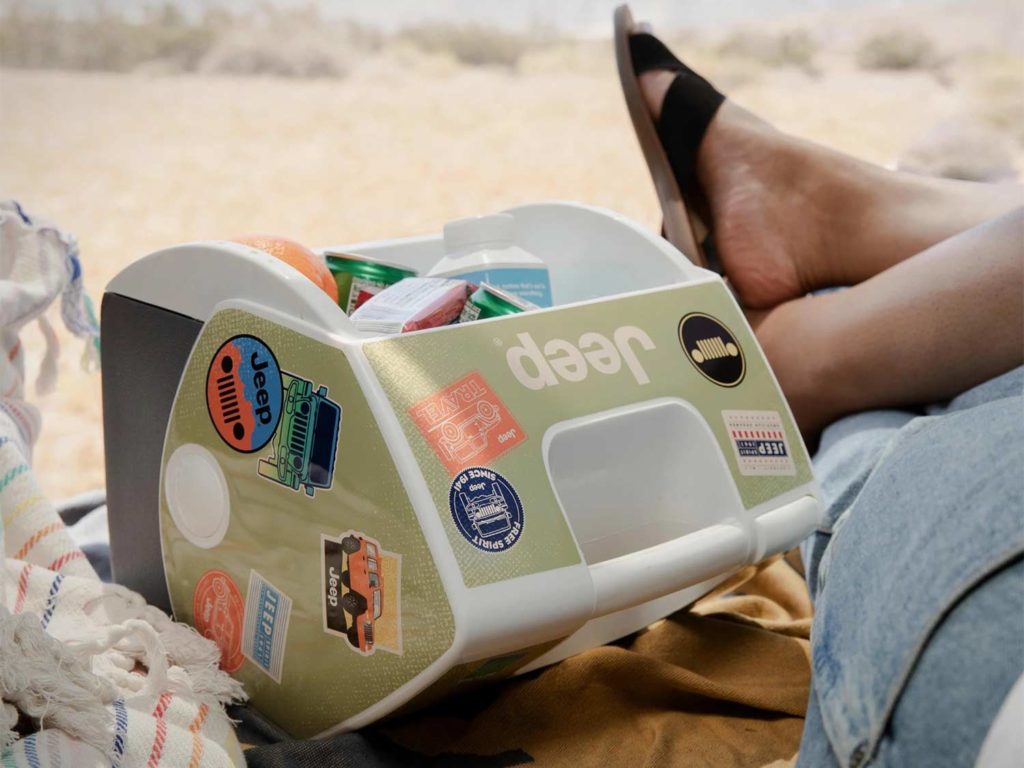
(306, 442)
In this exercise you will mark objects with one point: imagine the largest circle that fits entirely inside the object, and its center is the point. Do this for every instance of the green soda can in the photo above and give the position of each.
(362, 277)
(488, 301)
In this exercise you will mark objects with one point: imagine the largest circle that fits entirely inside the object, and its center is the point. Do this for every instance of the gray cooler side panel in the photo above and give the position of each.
(145, 349)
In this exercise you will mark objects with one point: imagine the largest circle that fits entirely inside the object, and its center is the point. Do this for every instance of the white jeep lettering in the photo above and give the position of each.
(600, 352)
(567, 361)
(562, 360)
(623, 336)
(332, 587)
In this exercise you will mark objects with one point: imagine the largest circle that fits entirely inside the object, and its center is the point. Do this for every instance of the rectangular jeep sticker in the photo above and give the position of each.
(361, 585)
(466, 423)
(759, 442)
(265, 630)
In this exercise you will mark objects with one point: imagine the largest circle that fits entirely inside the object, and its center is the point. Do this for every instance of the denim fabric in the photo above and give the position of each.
(918, 581)
(846, 457)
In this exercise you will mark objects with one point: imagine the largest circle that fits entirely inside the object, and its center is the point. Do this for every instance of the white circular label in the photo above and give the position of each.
(197, 495)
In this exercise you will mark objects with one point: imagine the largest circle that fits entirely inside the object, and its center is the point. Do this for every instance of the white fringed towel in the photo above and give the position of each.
(99, 676)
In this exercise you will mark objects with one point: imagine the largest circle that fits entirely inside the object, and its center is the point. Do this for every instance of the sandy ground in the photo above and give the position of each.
(132, 163)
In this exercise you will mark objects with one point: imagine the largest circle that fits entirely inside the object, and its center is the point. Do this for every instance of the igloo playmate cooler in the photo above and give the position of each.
(365, 523)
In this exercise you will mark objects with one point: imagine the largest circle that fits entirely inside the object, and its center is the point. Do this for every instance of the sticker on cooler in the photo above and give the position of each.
(712, 349)
(217, 614)
(243, 393)
(305, 445)
(759, 442)
(466, 422)
(530, 283)
(265, 630)
(361, 584)
(486, 509)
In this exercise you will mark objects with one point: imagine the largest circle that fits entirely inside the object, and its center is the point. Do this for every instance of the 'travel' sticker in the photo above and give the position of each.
(306, 443)
(712, 349)
(217, 614)
(360, 584)
(466, 422)
(243, 393)
(265, 632)
(759, 442)
(486, 509)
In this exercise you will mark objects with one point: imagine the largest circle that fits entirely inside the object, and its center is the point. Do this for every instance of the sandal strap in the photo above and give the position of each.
(648, 53)
(690, 105)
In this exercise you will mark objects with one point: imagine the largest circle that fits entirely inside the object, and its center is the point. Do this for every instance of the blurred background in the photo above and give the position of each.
(136, 125)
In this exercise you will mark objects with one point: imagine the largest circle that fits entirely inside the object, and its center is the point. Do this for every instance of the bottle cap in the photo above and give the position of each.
(477, 230)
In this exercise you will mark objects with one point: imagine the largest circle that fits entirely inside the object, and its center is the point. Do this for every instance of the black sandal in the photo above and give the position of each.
(670, 147)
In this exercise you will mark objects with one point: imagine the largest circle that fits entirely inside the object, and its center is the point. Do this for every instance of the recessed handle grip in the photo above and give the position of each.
(648, 574)
(669, 567)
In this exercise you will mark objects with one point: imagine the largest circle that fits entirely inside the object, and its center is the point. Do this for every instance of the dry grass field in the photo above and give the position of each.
(402, 143)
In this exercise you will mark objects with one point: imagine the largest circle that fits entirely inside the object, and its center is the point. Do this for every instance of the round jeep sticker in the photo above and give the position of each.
(243, 393)
(486, 509)
(712, 349)
(217, 608)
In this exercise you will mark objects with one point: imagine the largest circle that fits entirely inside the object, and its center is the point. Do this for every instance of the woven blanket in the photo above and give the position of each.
(89, 673)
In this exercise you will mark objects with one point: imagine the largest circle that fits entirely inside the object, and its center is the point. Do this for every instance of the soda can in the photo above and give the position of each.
(361, 277)
(488, 301)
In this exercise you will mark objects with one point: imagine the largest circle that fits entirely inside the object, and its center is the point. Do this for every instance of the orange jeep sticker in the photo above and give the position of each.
(217, 613)
(361, 592)
(466, 423)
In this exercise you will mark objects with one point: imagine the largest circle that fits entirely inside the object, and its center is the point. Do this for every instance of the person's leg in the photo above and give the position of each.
(852, 447)
(923, 330)
(940, 714)
(953, 731)
(918, 597)
(790, 216)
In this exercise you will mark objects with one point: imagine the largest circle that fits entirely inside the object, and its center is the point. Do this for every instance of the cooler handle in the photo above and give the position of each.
(635, 578)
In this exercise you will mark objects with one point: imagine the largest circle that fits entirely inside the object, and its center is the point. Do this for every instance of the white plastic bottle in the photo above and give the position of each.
(482, 249)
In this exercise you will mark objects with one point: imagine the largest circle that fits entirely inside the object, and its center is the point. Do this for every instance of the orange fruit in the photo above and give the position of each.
(296, 255)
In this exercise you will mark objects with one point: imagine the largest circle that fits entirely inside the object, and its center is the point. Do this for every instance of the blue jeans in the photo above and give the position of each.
(918, 581)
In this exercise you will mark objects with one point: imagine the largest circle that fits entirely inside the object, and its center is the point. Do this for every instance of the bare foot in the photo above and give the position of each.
(790, 216)
(771, 201)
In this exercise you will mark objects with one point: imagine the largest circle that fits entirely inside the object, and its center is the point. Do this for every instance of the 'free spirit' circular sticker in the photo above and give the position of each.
(486, 509)
(243, 393)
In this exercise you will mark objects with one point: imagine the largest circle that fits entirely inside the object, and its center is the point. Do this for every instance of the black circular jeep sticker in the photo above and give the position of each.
(486, 509)
(712, 349)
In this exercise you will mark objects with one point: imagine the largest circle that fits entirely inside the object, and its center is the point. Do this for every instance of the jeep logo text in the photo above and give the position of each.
(562, 360)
